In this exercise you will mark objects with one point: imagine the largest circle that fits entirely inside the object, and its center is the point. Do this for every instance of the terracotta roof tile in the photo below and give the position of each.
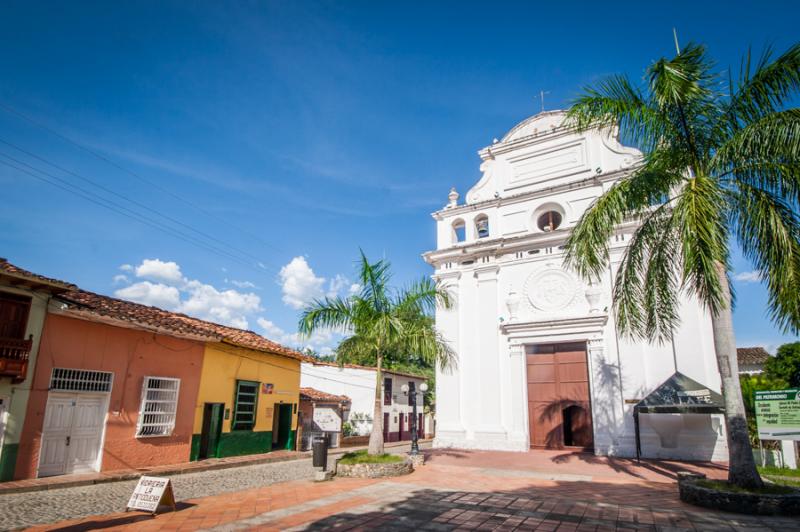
(313, 394)
(175, 322)
(10, 270)
(751, 355)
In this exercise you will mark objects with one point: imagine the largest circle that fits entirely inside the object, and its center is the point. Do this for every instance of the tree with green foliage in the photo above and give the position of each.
(384, 322)
(785, 365)
(721, 162)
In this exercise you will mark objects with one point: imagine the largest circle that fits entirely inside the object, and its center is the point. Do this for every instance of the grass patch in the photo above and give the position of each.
(361, 457)
(793, 482)
(768, 489)
(780, 471)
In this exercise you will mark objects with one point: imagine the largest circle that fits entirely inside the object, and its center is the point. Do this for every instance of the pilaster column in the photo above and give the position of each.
(449, 398)
(489, 426)
(519, 381)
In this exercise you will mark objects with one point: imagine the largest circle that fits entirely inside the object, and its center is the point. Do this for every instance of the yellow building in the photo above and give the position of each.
(248, 398)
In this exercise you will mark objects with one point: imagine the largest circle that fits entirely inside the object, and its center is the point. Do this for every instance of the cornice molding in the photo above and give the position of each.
(505, 245)
(587, 182)
(594, 321)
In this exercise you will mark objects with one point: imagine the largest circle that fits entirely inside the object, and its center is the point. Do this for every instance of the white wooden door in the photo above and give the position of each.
(72, 433)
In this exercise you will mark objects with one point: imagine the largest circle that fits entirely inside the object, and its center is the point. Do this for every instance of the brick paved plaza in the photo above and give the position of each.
(460, 490)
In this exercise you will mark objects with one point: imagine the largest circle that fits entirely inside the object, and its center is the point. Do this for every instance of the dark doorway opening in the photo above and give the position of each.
(282, 426)
(212, 427)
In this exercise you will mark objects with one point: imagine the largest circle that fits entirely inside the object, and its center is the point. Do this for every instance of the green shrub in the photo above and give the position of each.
(361, 457)
(347, 429)
(768, 489)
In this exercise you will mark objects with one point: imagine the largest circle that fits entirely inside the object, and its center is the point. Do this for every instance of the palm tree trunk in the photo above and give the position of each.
(376, 436)
(742, 466)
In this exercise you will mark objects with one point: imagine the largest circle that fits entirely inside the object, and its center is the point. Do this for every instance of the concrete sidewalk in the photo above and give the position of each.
(86, 479)
(456, 490)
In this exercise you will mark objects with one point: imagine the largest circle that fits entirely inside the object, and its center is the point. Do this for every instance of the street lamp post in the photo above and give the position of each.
(410, 390)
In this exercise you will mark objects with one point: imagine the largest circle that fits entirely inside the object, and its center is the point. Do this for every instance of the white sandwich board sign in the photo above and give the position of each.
(150, 493)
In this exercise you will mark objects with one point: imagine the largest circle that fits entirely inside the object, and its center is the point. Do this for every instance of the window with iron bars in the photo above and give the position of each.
(159, 407)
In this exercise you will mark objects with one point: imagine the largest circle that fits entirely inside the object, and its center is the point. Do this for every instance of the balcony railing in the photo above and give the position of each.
(14, 353)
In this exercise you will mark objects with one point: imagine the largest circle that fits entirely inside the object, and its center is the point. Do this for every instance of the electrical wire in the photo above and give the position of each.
(7, 108)
(116, 208)
(133, 201)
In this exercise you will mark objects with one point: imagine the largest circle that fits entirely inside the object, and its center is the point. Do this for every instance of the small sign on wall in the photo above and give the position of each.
(150, 493)
(267, 387)
(268, 411)
(327, 419)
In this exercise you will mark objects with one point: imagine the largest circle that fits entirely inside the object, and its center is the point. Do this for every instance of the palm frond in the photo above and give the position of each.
(422, 297)
(646, 281)
(616, 102)
(374, 278)
(587, 245)
(766, 89)
(765, 154)
(699, 213)
(328, 313)
(768, 231)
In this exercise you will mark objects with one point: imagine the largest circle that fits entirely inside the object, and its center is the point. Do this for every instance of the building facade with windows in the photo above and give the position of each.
(24, 297)
(321, 415)
(248, 398)
(119, 385)
(358, 383)
(110, 390)
(540, 361)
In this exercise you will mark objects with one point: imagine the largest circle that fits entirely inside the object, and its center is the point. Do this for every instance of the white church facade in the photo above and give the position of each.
(540, 362)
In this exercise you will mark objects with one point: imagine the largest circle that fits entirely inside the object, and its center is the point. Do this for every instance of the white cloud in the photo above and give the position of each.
(118, 279)
(168, 272)
(192, 297)
(354, 289)
(299, 284)
(229, 307)
(748, 277)
(336, 285)
(154, 294)
(126, 268)
(241, 284)
(321, 341)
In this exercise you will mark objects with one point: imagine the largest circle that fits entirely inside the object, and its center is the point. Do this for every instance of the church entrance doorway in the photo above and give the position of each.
(559, 407)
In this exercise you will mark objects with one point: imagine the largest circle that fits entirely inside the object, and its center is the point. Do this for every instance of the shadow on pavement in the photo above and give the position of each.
(613, 507)
(100, 523)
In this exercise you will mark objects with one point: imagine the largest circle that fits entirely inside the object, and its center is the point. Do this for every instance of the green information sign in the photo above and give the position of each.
(778, 414)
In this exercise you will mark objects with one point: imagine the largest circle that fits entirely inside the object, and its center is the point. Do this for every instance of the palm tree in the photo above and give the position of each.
(721, 164)
(383, 322)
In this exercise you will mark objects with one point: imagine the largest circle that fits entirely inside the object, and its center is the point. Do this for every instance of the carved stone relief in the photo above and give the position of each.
(552, 289)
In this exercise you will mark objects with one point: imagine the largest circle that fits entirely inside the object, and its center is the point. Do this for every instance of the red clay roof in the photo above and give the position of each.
(167, 321)
(312, 394)
(751, 355)
(31, 279)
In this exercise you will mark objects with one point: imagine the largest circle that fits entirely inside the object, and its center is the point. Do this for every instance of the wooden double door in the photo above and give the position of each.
(559, 406)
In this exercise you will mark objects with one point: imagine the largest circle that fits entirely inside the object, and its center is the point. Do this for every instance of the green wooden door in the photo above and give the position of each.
(212, 427)
(283, 438)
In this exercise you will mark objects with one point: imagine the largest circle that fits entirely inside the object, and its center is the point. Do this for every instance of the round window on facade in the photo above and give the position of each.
(549, 221)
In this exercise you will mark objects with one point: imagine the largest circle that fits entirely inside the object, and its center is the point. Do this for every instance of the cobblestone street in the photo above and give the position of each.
(455, 490)
(18, 510)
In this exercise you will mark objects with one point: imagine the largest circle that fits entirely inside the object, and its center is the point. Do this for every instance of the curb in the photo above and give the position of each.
(178, 469)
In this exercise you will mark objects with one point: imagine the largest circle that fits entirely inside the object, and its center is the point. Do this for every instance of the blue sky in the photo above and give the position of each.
(298, 132)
